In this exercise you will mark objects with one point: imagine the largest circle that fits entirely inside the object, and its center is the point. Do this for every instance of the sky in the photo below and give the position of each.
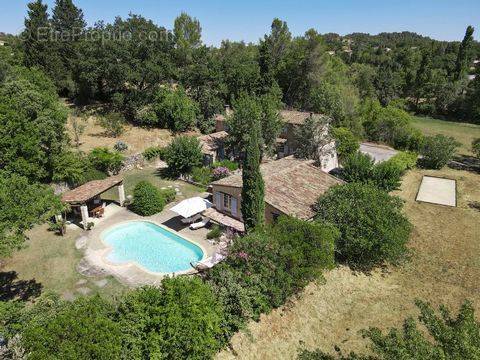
(249, 20)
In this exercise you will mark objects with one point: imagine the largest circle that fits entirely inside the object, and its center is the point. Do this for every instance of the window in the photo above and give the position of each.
(227, 201)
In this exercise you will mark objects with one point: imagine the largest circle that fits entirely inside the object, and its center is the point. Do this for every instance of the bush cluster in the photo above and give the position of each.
(346, 142)
(147, 199)
(153, 152)
(229, 164)
(438, 150)
(265, 267)
(105, 160)
(202, 175)
(372, 226)
(385, 175)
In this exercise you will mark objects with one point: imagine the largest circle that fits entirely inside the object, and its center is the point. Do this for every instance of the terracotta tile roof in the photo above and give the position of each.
(211, 142)
(291, 185)
(223, 219)
(89, 190)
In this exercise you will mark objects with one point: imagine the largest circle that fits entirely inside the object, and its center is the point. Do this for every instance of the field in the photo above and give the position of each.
(444, 268)
(462, 132)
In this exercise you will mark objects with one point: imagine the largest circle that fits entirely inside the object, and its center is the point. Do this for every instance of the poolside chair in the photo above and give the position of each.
(191, 219)
(200, 224)
(209, 262)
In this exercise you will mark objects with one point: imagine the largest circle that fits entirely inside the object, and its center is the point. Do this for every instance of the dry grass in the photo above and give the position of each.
(444, 268)
(464, 133)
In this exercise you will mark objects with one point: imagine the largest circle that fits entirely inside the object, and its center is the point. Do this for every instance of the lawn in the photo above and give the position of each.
(50, 261)
(462, 132)
(444, 268)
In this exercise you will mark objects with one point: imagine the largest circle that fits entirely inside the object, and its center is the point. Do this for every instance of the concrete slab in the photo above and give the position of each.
(378, 152)
(438, 191)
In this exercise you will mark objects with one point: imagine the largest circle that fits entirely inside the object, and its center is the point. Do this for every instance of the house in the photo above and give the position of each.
(292, 187)
(213, 147)
(286, 142)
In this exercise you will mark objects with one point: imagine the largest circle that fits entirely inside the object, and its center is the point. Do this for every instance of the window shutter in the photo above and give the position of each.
(218, 200)
(234, 206)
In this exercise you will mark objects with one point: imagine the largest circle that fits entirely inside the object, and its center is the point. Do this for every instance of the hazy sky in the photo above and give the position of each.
(248, 19)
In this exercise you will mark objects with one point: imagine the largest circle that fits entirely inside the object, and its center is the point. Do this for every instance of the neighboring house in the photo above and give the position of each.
(286, 142)
(292, 187)
(2, 43)
(213, 147)
(378, 152)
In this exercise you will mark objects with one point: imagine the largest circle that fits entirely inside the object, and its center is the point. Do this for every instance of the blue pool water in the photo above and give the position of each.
(151, 246)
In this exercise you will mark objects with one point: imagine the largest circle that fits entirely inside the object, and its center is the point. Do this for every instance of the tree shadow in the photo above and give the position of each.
(465, 162)
(175, 223)
(12, 288)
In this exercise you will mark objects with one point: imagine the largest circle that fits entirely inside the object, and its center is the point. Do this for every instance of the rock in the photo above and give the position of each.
(81, 282)
(84, 290)
(81, 242)
(101, 283)
(86, 269)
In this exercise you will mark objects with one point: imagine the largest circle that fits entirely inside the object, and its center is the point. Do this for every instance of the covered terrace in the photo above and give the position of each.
(85, 199)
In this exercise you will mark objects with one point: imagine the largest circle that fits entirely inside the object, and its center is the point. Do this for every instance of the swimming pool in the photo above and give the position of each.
(151, 246)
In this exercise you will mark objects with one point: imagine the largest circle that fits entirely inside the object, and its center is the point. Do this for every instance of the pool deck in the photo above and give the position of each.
(131, 274)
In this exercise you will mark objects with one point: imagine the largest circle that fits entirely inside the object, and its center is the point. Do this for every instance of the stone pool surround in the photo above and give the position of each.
(133, 274)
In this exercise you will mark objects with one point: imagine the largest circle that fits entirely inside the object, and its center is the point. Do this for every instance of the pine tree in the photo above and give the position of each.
(253, 203)
(37, 36)
(464, 53)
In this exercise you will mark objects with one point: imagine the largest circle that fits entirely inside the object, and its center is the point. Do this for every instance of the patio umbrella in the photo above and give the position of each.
(190, 207)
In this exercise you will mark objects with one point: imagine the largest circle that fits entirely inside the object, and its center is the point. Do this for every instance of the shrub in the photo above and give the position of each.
(202, 175)
(168, 194)
(346, 143)
(105, 160)
(120, 146)
(214, 233)
(113, 123)
(387, 176)
(476, 147)
(181, 320)
(92, 332)
(147, 199)
(183, 154)
(220, 173)
(438, 150)
(175, 110)
(229, 164)
(93, 174)
(358, 168)
(146, 116)
(404, 160)
(153, 152)
(372, 226)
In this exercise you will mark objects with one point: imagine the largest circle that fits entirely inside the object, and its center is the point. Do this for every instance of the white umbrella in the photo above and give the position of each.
(189, 207)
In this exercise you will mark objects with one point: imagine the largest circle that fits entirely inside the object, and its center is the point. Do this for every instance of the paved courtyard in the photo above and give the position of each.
(131, 274)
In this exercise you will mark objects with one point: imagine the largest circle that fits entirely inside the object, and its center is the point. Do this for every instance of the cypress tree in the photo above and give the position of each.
(464, 53)
(253, 191)
(36, 36)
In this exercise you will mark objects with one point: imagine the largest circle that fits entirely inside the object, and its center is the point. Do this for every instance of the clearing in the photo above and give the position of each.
(444, 268)
(462, 132)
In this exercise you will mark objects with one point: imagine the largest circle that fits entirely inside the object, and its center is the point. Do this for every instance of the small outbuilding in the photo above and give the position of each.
(85, 199)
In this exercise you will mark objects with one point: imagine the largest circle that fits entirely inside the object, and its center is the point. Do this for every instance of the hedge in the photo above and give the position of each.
(147, 199)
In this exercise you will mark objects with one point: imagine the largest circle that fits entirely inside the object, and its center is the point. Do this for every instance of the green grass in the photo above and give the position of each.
(51, 260)
(133, 177)
(462, 132)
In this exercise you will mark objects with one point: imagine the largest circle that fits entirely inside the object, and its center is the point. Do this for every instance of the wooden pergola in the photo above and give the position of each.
(82, 195)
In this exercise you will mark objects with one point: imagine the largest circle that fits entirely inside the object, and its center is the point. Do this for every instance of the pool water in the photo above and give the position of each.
(151, 246)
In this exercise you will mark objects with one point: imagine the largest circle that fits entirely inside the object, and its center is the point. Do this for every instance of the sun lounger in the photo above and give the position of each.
(191, 219)
(209, 262)
(200, 224)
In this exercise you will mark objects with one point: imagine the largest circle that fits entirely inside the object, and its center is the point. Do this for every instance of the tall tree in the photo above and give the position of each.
(188, 36)
(464, 53)
(68, 25)
(37, 36)
(273, 49)
(253, 191)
